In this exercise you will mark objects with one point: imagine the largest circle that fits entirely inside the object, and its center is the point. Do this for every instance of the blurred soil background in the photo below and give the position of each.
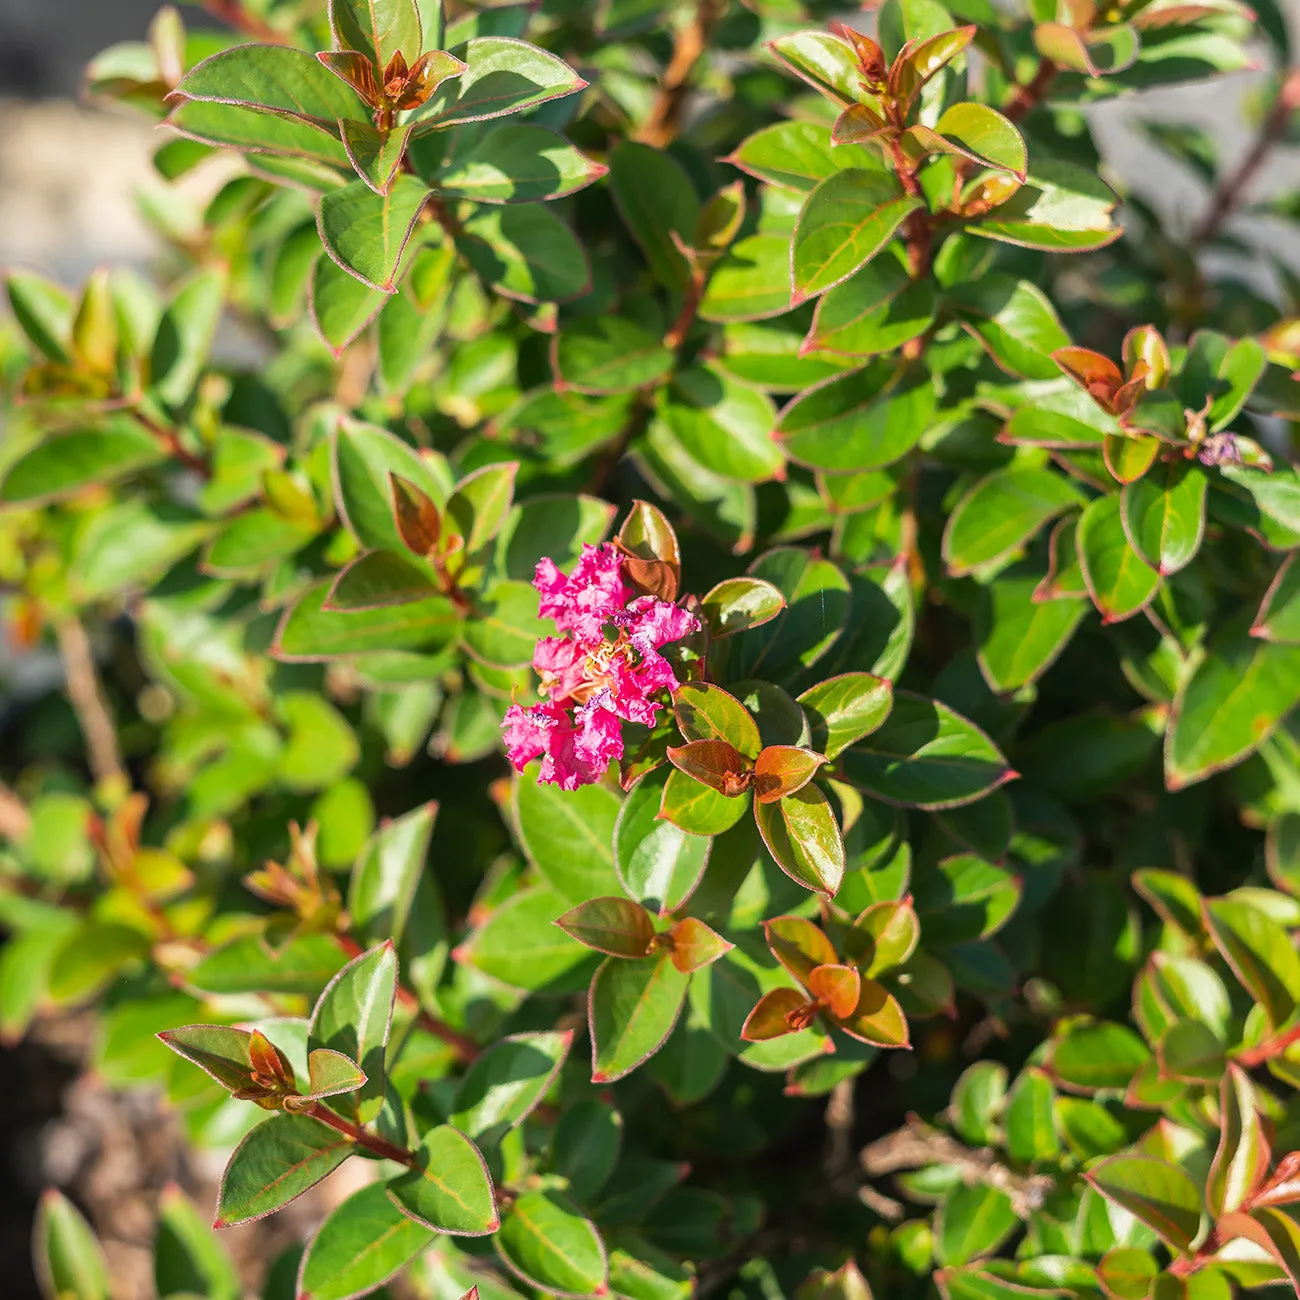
(70, 181)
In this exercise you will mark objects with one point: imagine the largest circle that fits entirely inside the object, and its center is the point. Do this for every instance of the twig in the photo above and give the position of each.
(918, 236)
(1267, 1051)
(231, 12)
(917, 1144)
(1031, 94)
(1232, 188)
(689, 45)
(86, 694)
(363, 1137)
(15, 820)
(171, 444)
(690, 306)
(839, 1132)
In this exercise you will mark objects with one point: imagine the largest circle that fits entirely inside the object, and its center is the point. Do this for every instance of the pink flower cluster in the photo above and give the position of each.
(605, 670)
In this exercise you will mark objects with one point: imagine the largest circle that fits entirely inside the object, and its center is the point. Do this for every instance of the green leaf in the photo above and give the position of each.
(511, 162)
(44, 312)
(707, 712)
(977, 132)
(976, 1101)
(697, 809)
(377, 580)
(1279, 612)
(610, 354)
(185, 334)
(302, 965)
(739, 603)
(844, 223)
(861, 420)
(1190, 1052)
(61, 466)
(656, 200)
(751, 282)
(384, 879)
(353, 1017)
(503, 76)
(844, 709)
(974, 1221)
(131, 544)
(1019, 637)
(1119, 580)
(804, 838)
(341, 306)
(449, 1190)
(363, 1243)
(378, 28)
(366, 458)
(1158, 1193)
(545, 1240)
(266, 134)
(504, 1084)
(586, 1145)
(1096, 1054)
(69, 1262)
(255, 539)
(964, 898)
(616, 926)
(519, 946)
(217, 1050)
(1260, 954)
(1002, 512)
(877, 309)
(723, 424)
(798, 155)
(277, 1161)
(505, 626)
(1030, 1129)
(526, 252)
(278, 78)
(925, 755)
(309, 632)
(824, 61)
(1062, 208)
(657, 863)
(376, 155)
(188, 1259)
(1229, 704)
(632, 1009)
(1164, 515)
(1014, 320)
(366, 232)
(567, 835)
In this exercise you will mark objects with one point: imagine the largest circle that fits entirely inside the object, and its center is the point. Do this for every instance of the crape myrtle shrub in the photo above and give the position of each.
(870, 543)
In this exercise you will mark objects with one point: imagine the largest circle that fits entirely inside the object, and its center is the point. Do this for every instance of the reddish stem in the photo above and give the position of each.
(1031, 94)
(1267, 1051)
(363, 1137)
(1232, 188)
(918, 223)
(690, 305)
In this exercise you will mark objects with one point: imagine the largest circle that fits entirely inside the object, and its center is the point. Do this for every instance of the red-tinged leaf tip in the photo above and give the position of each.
(218, 1223)
(460, 953)
(599, 1076)
(492, 1227)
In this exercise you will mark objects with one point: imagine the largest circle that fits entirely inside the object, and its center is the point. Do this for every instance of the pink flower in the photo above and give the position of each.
(652, 623)
(593, 595)
(606, 671)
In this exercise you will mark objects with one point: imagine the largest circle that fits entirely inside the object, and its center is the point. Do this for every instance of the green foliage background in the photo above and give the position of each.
(979, 476)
